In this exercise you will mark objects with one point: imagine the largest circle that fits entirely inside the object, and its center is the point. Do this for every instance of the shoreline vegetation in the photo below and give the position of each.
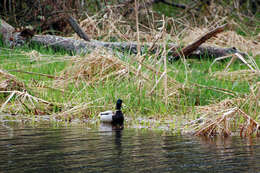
(199, 96)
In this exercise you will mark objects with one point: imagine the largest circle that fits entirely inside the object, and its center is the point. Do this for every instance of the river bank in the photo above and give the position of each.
(183, 96)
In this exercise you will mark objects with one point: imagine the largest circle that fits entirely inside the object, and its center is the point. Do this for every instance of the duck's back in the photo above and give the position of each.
(106, 116)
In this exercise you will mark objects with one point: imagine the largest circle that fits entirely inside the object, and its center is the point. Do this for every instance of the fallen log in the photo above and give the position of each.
(81, 47)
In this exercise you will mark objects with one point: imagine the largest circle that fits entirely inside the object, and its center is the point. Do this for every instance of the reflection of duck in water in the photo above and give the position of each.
(115, 119)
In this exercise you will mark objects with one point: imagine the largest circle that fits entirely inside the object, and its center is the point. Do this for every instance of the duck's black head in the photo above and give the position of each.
(119, 104)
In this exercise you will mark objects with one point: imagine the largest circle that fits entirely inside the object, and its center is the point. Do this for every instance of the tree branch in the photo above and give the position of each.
(193, 46)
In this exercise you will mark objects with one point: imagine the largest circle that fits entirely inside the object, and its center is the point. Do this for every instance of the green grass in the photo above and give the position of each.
(198, 73)
(136, 101)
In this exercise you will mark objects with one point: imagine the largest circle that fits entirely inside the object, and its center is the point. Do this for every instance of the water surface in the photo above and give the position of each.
(80, 149)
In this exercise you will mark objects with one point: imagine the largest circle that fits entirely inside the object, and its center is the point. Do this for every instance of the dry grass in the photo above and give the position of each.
(24, 103)
(100, 66)
(97, 66)
(110, 25)
(226, 116)
(17, 99)
(223, 118)
(224, 123)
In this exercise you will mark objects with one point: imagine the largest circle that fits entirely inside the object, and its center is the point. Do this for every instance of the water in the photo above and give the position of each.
(84, 150)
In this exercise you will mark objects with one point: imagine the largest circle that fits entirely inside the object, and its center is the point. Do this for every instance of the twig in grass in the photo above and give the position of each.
(40, 74)
(254, 67)
(239, 56)
(217, 59)
(245, 62)
(164, 73)
(222, 90)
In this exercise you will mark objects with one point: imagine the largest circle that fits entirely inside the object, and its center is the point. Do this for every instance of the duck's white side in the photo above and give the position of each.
(106, 116)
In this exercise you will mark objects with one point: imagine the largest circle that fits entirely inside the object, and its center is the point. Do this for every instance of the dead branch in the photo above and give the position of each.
(193, 46)
(75, 26)
(222, 90)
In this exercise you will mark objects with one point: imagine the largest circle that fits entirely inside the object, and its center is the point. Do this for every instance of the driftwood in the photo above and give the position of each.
(81, 47)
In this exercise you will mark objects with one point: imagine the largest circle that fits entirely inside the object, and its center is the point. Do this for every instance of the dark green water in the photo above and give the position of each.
(84, 150)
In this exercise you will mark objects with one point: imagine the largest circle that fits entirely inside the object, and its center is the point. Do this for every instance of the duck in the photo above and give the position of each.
(115, 118)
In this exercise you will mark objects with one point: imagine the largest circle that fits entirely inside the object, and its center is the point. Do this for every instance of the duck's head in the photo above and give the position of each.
(119, 104)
